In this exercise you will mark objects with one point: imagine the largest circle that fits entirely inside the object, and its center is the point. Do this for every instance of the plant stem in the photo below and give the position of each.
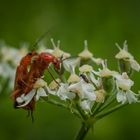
(108, 102)
(97, 107)
(83, 131)
(101, 115)
(83, 116)
(53, 102)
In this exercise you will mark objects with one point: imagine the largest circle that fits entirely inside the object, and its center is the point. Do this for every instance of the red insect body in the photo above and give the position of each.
(39, 65)
(25, 79)
(22, 75)
(22, 69)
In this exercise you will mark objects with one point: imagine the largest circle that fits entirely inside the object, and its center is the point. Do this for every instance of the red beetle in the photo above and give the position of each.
(26, 78)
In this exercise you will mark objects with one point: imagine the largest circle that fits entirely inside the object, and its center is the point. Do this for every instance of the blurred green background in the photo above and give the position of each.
(102, 23)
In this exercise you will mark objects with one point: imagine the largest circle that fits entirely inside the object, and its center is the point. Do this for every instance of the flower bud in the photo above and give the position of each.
(85, 54)
(85, 68)
(127, 63)
(100, 96)
(124, 82)
(40, 83)
(98, 61)
(73, 78)
(57, 52)
(53, 85)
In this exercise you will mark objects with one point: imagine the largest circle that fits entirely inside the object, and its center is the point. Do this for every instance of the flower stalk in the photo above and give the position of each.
(109, 111)
(82, 132)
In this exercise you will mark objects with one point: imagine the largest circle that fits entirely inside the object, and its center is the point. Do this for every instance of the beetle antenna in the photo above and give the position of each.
(40, 39)
(53, 78)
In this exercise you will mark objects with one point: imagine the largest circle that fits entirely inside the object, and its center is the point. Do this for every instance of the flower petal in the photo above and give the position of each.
(121, 97)
(131, 97)
(135, 65)
(64, 93)
(27, 98)
(40, 93)
(86, 105)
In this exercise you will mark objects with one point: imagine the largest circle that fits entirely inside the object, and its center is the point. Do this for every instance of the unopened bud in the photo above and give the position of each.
(40, 83)
(85, 54)
(100, 95)
(85, 68)
(73, 78)
(54, 84)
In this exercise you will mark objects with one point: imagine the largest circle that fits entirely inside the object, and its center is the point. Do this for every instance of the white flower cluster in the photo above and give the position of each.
(85, 86)
(82, 86)
(9, 59)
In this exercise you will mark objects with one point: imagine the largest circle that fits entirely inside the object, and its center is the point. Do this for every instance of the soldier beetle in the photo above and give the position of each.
(32, 67)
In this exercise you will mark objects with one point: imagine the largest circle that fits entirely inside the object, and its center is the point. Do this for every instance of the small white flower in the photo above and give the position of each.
(57, 52)
(86, 105)
(71, 63)
(125, 55)
(53, 85)
(14, 55)
(37, 92)
(75, 87)
(123, 81)
(88, 91)
(98, 61)
(24, 100)
(11, 53)
(85, 68)
(124, 94)
(64, 93)
(121, 96)
(40, 93)
(7, 72)
(135, 65)
(105, 72)
(84, 90)
(127, 96)
(73, 78)
(40, 83)
(100, 95)
(97, 82)
(132, 97)
(85, 54)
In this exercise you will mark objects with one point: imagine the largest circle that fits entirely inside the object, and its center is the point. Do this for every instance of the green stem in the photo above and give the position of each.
(83, 116)
(97, 107)
(53, 102)
(103, 114)
(83, 131)
(109, 101)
